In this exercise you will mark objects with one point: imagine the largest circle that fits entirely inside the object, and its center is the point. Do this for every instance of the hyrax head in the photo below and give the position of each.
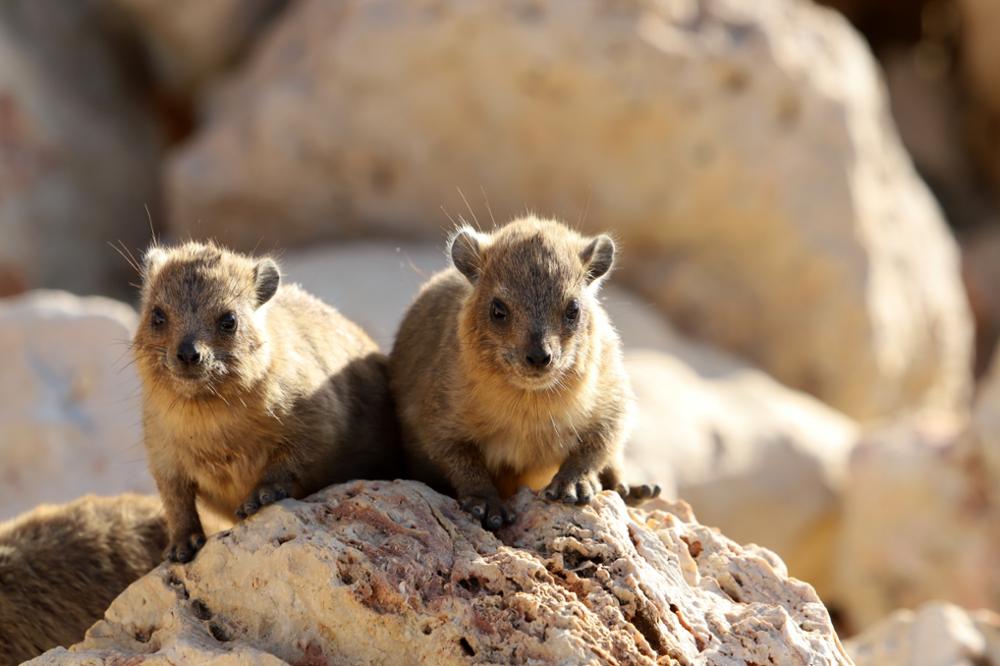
(199, 333)
(531, 309)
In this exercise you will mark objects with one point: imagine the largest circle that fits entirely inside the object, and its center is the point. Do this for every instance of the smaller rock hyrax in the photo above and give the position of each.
(507, 372)
(253, 391)
(62, 565)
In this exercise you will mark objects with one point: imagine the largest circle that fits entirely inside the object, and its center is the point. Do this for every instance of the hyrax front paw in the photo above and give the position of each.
(261, 497)
(490, 511)
(183, 548)
(636, 495)
(573, 488)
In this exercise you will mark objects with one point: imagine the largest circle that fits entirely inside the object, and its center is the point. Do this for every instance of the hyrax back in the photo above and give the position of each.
(61, 566)
(507, 372)
(252, 390)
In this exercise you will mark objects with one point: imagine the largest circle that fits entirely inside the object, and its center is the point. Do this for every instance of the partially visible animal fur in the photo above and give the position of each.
(253, 390)
(62, 565)
(507, 371)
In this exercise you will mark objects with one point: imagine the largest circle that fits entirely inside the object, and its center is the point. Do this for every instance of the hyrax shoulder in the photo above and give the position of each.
(252, 390)
(507, 371)
(61, 566)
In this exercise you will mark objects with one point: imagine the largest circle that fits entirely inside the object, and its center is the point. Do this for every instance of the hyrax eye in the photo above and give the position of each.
(498, 311)
(227, 323)
(158, 318)
(573, 311)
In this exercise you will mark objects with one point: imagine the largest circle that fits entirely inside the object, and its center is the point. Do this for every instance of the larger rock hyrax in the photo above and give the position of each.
(507, 372)
(62, 565)
(253, 390)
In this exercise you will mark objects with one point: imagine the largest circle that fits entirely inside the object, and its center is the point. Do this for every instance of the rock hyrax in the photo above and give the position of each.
(253, 391)
(507, 372)
(61, 566)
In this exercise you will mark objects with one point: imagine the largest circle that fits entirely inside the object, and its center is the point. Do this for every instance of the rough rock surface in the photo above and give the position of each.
(711, 429)
(369, 571)
(79, 155)
(921, 522)
(69, 401)
(936, 634)
(649, 118)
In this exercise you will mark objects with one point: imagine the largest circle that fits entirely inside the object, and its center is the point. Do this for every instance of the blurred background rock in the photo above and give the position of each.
(806, 200)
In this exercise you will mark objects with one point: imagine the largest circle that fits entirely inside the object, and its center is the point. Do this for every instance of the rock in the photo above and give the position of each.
(920, 522)
(192, 43)
(762, 462)
(936, 634)
(79, 154)
(61, 566)
(711, 429)
(647, 118)
(69, 401)
(981, 273)
(368, 571)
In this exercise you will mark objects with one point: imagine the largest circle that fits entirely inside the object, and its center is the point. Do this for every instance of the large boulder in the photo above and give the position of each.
(921, 521)
(742, 152)
(69, 401)
(936, 634)
(378, 572)
(79, 152)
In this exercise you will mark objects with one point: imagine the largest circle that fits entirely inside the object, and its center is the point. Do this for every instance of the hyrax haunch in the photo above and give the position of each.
(507, 372)
(253, 391)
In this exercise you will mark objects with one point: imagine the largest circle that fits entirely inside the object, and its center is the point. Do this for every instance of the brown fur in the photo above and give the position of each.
(61, 566)
(477, 417)
(296, 398)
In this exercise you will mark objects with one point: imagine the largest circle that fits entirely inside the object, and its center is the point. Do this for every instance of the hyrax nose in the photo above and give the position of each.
(538, 357)
(188, 354)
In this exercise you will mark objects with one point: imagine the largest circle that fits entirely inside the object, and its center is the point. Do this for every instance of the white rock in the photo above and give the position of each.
(380, 572)
(920, 522)
(69, 401)
(742, 152)
(936, 634)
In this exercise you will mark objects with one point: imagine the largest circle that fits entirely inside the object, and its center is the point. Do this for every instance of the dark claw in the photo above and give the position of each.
(494, 522)
(583, 493)
(509, 517)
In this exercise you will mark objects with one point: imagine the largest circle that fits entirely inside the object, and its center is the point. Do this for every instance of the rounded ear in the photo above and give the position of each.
(598, 257)
(465, 250)
(267, 277)
(152, 260)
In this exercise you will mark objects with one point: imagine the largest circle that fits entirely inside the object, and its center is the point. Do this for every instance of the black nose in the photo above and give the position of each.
(538, 357)
(187, 354)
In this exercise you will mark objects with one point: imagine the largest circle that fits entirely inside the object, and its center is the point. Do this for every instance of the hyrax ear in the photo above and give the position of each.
(598, 257)
(465, 248)
(267, 277)
(152, 260)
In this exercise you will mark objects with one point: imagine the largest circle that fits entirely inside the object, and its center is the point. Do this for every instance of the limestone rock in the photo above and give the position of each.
(742, 152)
(79, 155)
(191, 43)
(62, 565)
(369, 571)
(763, 463)
(936, 634)
(921, 522)
(69, 401)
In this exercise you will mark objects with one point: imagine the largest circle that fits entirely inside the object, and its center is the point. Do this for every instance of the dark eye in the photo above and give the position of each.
(227, 323)
(498, 311)
(573, 311)
(158, 318)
